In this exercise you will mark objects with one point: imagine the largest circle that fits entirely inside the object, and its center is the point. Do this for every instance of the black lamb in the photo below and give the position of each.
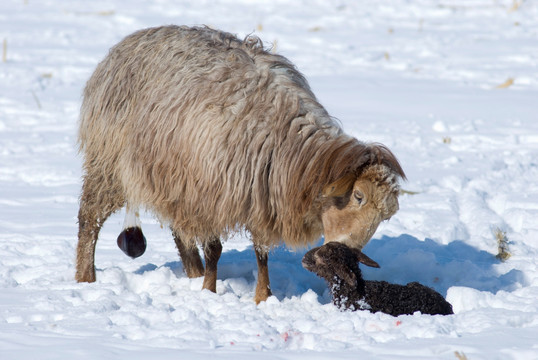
(338, 265)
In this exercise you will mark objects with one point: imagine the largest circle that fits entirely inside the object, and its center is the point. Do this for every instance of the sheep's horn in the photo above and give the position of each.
(362, 258)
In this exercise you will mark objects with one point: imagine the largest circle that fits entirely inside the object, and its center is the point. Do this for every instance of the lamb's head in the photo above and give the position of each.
(354, 206)
(334, 261)
(337, 264)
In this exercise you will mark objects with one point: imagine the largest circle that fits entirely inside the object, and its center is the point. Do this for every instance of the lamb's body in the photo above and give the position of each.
(397, 299)
(392, 299)
(337, 264)
(212, 134)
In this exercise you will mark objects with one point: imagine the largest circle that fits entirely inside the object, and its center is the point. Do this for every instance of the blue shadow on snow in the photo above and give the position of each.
(402, 259)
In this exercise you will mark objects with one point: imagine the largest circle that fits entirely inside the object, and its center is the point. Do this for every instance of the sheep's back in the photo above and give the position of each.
(188, 119)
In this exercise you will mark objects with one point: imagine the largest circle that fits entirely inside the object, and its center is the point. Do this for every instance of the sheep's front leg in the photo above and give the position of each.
(212, 251)
(263, 288)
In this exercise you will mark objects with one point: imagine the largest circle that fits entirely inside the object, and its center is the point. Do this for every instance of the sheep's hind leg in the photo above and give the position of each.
(212, 252)
(263, 287)
(98, 200)
(190, 257)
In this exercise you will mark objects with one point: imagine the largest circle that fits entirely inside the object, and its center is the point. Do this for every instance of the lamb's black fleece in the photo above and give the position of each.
(338, 265)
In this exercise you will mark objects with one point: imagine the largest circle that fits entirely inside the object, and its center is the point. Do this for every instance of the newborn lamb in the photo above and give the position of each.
(338, 265)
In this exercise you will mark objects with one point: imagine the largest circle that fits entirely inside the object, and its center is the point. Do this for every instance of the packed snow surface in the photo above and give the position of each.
(450, 86)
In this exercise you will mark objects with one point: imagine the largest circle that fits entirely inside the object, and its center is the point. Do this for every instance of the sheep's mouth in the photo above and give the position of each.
(354, 241)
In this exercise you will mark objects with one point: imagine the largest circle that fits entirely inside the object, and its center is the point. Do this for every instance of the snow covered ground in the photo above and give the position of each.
(450, 86)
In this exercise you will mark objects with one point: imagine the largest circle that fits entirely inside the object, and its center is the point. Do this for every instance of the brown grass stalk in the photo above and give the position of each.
(4, 51)
(502, 244)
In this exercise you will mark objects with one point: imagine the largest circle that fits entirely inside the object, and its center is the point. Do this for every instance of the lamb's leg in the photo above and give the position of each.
(99, 199)
(212, 251)
(263, 288)
(190, 257)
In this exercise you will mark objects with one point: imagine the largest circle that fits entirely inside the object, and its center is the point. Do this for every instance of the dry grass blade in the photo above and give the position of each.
(94, 13)
(38, 103)
(502, 244)
(460, 356)
(4, 51)
(509, 82)
(515, 5)
(106, 13)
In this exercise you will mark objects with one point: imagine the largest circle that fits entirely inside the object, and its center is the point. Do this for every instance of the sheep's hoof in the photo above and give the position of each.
(85, 276)
(132, 242)
(262, 294)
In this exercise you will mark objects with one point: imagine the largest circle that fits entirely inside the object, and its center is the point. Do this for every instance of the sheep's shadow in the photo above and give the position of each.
(405, 258)
(402, 259)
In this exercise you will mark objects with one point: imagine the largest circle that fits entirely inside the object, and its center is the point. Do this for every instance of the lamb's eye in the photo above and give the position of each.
(359, 196)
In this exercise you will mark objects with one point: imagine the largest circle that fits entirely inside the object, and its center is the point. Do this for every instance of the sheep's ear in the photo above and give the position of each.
(340, 186)
(363, 259)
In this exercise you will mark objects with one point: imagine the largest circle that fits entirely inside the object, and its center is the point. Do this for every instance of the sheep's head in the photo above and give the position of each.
(353, 206)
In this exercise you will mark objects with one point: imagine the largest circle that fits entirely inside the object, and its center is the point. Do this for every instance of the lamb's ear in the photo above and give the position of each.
(345, 273)
(363, 259)
(333, 265)
(340, 186)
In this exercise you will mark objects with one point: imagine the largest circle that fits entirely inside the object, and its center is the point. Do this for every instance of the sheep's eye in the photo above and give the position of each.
(358, 196)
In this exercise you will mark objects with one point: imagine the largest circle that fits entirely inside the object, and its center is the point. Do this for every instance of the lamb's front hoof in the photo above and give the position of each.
(132, 242)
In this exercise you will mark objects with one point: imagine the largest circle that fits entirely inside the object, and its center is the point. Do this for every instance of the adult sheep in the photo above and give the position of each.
(214, 134)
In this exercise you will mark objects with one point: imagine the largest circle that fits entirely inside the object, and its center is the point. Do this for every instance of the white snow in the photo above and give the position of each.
(450, 86)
